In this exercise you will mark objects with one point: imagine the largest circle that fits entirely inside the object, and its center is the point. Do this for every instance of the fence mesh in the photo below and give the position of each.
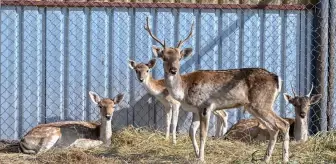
(53, 53)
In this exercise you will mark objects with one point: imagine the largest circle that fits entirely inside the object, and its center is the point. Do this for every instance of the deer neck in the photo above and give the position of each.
(105, 131)
(301, 128)
(151, 86)
(174, 85)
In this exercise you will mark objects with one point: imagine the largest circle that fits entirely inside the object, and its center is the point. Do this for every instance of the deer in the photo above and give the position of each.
(249, 130)
(73, 133)
(204, 91)
(302, 107)
(157, 89)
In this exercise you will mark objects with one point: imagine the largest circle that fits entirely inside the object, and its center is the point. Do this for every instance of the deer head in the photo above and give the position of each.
(106, 105)
(141, 69)
(170, 55)
(302, 103)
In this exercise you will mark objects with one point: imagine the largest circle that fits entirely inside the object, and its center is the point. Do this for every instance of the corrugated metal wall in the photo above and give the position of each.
(52, 57)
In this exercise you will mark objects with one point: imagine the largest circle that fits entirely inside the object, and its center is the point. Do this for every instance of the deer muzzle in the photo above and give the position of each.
(302, 114)
(173, 70)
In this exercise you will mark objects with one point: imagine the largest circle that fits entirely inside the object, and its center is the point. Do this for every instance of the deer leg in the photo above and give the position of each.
(168, 119)
(48, 143)
(192, 132)
(204, 117)
(273, 123)
(225, 123)
(219, 126)
(284, 128)
(221, 120)
(176, 110)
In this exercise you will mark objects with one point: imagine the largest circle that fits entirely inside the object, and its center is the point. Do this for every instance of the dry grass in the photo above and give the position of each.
(134, 145)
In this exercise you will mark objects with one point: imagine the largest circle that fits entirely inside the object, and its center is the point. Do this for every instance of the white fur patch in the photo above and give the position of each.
(188, 108)
(49, 143)
(86, 143)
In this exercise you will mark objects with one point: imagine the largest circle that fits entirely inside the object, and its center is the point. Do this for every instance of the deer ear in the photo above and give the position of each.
(94, 97)
(287, 97)
(186, 52)
(118, 98)
(132, 64)
(151, 63)
(315, 98)
(157, 51)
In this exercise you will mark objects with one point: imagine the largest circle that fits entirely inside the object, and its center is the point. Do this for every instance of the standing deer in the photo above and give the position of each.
(73, 133)
(248, 130)
(158, 89)
(204, 91)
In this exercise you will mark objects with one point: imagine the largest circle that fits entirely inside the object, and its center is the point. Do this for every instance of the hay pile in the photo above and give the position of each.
(137, 145)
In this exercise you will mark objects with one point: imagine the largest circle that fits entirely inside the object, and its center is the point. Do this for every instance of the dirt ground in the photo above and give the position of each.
(136, 145)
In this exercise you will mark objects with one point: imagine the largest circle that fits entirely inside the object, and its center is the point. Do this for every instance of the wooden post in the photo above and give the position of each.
(331, 68)
(320, 50)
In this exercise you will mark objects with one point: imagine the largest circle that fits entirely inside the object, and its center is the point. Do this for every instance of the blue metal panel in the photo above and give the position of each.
(185, 19)
(292, 45)
(140, 54)
(54, 51)
(230, 39)
(98, 58)
(31, 54)
(208, 55)
(272, 47)
(75, 60)
(121, 48)
(251, 39)
(8, 112)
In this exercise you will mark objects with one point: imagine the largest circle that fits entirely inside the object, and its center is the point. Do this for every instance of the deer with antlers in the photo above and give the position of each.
(73, 133)
(249, 130)
(204, 91)
(302, 105)
(158, 89)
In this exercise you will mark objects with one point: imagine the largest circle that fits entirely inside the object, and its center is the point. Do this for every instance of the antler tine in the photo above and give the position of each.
(294, 94)
(180, 43)
(308, 95)
(151, 34)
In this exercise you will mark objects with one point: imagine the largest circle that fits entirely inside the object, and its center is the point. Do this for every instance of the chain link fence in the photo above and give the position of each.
(54, 52)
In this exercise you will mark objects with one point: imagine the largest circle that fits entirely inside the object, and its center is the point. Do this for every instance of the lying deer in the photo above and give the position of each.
(248, 130)
(204, 91)
(73, 133)
(159, 91)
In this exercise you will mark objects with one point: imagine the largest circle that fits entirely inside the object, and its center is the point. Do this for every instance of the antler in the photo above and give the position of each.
(180, 43)
(151, 34)
(308, 95)
(294, 94)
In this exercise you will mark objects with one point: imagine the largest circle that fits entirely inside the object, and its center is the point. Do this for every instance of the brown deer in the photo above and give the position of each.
(73, 133)
(158, 89)
(204, 91)
(249, 130)
(302, 105)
